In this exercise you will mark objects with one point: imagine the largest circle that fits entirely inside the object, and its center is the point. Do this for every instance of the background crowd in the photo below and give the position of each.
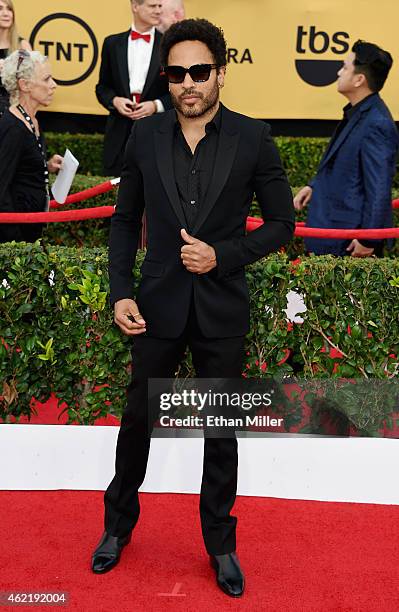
(352, 188)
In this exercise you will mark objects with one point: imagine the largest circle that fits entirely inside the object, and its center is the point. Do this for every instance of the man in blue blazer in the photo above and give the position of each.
(352, 188)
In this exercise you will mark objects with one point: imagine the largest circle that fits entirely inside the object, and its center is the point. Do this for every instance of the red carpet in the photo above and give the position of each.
(299, 556)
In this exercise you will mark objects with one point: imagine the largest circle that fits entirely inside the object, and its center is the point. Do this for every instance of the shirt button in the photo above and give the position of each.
(192, 202)
(193, 171)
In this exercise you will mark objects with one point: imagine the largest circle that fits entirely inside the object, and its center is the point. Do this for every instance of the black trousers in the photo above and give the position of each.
(159, 358)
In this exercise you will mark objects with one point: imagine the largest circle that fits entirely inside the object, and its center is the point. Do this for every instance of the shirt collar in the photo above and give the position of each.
(216, 121)
(350, 110)
(151, 32)
(214, 124)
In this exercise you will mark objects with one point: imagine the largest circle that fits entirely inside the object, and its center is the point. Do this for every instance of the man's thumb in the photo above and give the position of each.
(187, 238)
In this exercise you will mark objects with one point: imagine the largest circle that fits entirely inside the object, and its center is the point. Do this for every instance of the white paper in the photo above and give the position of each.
(63, 182)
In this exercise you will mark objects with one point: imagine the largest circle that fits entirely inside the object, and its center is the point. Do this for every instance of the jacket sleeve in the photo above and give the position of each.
(126, 224)
(275, 200)
(105, 91)
(378, 159)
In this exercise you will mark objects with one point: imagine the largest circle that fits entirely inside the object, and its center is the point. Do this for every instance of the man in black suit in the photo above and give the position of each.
(172, 12)
(195, 170)
(131, 85)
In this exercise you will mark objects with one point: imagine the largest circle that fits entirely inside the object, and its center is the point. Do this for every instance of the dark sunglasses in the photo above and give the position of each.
(199, 73)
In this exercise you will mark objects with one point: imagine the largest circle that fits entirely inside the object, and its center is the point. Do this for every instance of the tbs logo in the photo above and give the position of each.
(319, 72)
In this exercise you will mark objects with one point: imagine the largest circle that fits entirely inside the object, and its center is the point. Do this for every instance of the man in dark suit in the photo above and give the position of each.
(131, 85)
(195, 170)
(352, 188)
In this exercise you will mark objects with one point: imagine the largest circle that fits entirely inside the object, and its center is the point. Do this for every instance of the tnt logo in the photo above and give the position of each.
(310, 42)
(70, 45)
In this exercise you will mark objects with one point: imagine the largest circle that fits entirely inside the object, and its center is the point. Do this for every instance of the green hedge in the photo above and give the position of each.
(58, 336)
(300, 156)
(87, 148)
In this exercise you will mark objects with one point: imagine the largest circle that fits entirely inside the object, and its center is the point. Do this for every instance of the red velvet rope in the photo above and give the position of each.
(83, 214)
(92, 192)
(348, 234)
(253, 223)
(101, 212)
(344, 234)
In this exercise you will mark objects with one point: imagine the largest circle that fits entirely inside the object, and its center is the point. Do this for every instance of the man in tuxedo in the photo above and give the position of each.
(172, 12)
(195, 169)
(131, 85)
(352, 188)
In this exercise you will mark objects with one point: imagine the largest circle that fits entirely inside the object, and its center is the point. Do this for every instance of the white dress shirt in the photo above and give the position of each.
(139, 54)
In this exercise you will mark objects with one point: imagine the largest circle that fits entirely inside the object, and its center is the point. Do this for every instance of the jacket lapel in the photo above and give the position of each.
(225, 155)
(164, 155)
(154, 67)
(123, 64)
(347, 130)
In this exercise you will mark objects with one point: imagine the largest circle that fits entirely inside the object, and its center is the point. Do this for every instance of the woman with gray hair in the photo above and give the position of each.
(24, 170)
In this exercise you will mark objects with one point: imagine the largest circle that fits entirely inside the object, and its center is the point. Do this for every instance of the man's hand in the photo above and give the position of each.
(358, 250)
(303, 197)
(197, 256)
(124, 106)
(144, 109)
(54, 164)
(128, 318)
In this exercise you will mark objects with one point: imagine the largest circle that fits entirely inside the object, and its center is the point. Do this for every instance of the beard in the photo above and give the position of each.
(203, 106)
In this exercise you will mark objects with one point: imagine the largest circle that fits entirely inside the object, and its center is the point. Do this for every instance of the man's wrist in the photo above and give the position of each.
(159, 106)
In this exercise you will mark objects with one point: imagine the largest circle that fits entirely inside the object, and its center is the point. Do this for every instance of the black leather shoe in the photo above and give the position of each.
(108, 552)
(229, 576)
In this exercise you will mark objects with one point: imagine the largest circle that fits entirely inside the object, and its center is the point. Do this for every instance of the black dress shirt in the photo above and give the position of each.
(193, 171)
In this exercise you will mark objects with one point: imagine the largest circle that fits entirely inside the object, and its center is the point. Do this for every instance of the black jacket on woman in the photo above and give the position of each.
(22, 183)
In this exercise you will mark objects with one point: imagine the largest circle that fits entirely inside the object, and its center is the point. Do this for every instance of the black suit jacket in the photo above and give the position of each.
(247, 162)
(114, 81)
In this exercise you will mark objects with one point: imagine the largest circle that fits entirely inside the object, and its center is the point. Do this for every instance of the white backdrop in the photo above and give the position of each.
(48, 457)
